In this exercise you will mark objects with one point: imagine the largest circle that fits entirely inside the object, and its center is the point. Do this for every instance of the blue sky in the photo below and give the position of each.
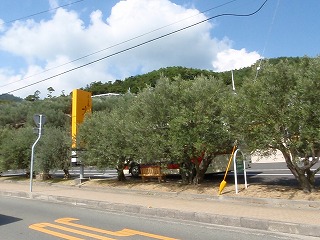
(38, 47)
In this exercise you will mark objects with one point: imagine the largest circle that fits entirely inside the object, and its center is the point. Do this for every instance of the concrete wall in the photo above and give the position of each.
(277, 157)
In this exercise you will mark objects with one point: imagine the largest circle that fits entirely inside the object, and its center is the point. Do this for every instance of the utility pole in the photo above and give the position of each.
(39, 119)
(232, 79)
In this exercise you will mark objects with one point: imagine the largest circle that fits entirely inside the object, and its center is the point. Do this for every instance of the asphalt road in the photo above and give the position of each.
(276, 173)
(273, 169)
(268, 173)
(26, 219)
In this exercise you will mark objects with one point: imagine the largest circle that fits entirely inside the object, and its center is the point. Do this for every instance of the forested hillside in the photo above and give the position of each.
(9, 98)
(137, 83)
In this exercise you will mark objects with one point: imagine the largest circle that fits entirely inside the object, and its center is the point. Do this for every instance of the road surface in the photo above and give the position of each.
(26, 219)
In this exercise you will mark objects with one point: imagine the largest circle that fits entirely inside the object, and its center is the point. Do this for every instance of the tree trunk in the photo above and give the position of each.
(311, 176)
(121, 177)
(305, 183)
(304, 176)
(66, 174)
(186, 171)
(202, 169)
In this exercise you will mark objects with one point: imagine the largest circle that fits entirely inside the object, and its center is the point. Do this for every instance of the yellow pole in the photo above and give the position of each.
(224, 183)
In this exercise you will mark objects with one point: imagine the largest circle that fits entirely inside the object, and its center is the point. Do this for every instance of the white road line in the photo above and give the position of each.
(273, 174)
(267, 170)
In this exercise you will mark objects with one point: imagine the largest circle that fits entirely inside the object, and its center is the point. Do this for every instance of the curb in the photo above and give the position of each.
(293, 204)
(243, 222)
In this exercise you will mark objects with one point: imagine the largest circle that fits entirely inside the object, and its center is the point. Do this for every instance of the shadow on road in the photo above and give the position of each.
(4, 219)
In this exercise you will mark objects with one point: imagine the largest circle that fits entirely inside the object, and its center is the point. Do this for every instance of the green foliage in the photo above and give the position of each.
(15, 148)
(151, 113)
(137, 83)
(33, 97)
(159, 124)
(16, 121)
(14, 114)
(198, 124)
(106, 136)
(9, 98)
(105, 103)
(50, 91)
(19, 114)
(53, 150)
(178, 113)
(280, 104)
(280, 110)
(56, 110)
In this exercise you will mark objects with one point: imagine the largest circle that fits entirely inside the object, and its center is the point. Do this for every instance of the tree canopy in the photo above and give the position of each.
(178, 114)
(175, 120)
(17, 134)
(280, 111)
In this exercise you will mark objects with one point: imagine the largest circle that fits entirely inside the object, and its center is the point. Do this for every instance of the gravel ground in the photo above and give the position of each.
(278, 190)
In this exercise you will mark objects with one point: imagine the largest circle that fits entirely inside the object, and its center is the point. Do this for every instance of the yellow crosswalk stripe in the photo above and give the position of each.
(43, 227)
(150, 235)
(40, 227)
(67, 221)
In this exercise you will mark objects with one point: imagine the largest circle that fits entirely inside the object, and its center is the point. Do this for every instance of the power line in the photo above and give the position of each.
(267, 40)
(115, 45)
(139, 45)
(45, 11)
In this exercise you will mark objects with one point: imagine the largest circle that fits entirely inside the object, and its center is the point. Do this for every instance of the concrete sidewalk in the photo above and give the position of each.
(295, 217)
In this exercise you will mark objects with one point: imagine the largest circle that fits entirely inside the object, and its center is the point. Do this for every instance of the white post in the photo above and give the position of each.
(232, 80)
(32, 151)
(81, 172)
(235, 170)
(245, 173)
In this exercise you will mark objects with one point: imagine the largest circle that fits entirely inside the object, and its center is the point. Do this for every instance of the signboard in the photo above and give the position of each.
(37, 131)
(39, 118)
(81, 105)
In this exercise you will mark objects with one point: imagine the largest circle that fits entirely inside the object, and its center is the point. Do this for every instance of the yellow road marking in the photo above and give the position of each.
(150, 235)
(42, 225)
(68, 221)
(123, 233)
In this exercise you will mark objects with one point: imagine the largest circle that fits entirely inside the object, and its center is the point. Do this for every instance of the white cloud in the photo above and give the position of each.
(231, 59)
(53, 3)
(46, 44)
(43, 40)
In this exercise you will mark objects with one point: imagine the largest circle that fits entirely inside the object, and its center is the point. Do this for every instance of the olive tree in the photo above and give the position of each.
(198, 131)
(53, 151)
(14, 114)
(151, 113)
(280, 110)
(57, 111)
(15, 148)
(181, 120)
(18, 135)
(106, 137)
